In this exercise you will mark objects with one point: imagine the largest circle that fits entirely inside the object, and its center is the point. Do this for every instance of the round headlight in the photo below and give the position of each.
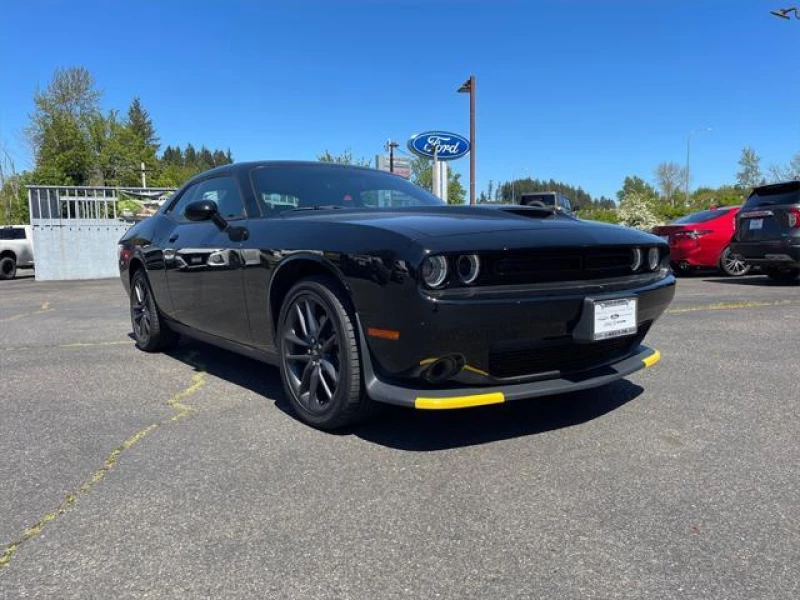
(434, 271)
(636, 260)
(468, 267)
(653, 257)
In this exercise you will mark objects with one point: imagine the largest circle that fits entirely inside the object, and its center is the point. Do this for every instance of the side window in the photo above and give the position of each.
(225, 192)
(222, 190)
(12, 233)
(177, 209)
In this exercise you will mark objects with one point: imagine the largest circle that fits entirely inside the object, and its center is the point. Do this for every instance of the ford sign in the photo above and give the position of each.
(446, 145)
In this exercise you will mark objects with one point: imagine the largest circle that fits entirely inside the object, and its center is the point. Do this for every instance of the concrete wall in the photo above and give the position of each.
(76, 251)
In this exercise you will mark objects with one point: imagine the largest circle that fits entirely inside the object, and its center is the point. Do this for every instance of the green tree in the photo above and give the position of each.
(749, 174)
(142, 126)
(510, 191)
(345, 158)
(13, 194)
(422, 175)
(59, 127)
(636, 185)
(190, 156)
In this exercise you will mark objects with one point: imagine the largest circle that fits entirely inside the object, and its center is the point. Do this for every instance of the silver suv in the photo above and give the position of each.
(16, 249)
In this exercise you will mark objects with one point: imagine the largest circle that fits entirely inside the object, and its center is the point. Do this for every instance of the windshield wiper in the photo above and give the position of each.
(317, 207)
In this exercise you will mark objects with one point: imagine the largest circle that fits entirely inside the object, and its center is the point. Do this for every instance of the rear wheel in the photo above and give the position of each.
(8, 267)
(732, 265)
(783, 275)
(149, 329)
(320, 363)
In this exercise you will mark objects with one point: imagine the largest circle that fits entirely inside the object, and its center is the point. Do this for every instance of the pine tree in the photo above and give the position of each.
(141, 124)
(190, 156)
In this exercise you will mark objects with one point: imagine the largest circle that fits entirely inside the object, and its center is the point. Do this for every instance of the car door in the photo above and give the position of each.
(204, 263)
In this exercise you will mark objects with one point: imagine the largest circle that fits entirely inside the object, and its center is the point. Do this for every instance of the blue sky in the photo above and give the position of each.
(583, 92)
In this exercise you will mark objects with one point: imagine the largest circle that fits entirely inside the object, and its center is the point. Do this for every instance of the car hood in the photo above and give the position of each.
(476, 228)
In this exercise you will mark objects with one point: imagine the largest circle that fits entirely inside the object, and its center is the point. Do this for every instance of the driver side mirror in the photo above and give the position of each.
(205, 210)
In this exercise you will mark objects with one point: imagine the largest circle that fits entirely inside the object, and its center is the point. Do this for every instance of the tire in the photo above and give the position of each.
(320, 363)
(783, 276)
(150, 331)
(8, 267)
(732, 267)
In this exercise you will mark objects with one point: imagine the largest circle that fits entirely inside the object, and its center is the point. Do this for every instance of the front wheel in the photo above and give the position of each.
(732, 265)
(8, 267)
(783, 275)
(320, 363)
(149, 329)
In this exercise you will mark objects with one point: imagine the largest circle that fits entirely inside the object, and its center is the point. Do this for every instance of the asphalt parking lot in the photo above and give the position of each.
(125, 474)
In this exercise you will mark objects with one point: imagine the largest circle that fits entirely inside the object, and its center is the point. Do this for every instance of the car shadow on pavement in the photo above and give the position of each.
(754, 280)
(424, 431)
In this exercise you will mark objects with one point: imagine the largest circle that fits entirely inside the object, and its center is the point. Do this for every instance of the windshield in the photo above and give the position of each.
(291, 187)
(701, 217)
(771, 195)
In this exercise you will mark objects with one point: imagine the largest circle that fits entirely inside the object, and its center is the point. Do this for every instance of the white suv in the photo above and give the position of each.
(16, 249)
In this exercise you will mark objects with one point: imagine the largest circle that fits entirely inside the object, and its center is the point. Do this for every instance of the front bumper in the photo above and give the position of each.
(429, 399)
(772, 253)
(503, 337)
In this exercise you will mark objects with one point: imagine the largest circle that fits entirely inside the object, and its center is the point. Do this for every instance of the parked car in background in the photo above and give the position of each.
(546, 199)
(362, 287)
(768, 230)
(703, 239)
(16, 249)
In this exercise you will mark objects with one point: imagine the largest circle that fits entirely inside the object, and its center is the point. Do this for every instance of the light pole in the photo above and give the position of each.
(469, 87)
(687, 174)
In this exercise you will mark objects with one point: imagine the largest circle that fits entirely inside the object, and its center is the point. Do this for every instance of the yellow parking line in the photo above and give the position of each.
(729, 306)
(90, 344)
(181, 410)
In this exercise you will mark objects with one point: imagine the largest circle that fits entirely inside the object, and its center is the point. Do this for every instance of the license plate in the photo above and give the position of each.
(614, 318)
(756, 224)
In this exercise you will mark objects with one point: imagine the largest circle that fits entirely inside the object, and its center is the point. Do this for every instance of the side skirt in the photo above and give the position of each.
(266, 356)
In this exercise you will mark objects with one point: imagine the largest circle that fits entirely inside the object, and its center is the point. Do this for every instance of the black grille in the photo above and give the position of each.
(557, 265)
(564, 356)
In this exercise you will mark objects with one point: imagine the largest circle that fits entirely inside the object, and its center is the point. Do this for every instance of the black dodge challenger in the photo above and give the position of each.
(363, 287)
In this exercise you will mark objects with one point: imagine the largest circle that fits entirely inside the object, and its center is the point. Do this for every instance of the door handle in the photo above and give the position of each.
(173, 237)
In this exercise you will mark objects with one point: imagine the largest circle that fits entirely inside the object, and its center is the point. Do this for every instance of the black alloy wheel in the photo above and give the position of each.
(320, 362)
(313, 353)
(733, 265)
(149, 330)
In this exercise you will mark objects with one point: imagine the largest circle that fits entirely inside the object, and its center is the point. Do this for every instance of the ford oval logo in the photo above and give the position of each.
(446, 145)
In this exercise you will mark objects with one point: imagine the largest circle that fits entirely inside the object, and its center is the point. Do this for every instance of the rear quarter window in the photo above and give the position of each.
(12, 233)
(773, 195)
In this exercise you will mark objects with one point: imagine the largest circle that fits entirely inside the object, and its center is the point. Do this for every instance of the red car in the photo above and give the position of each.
(703, 239)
